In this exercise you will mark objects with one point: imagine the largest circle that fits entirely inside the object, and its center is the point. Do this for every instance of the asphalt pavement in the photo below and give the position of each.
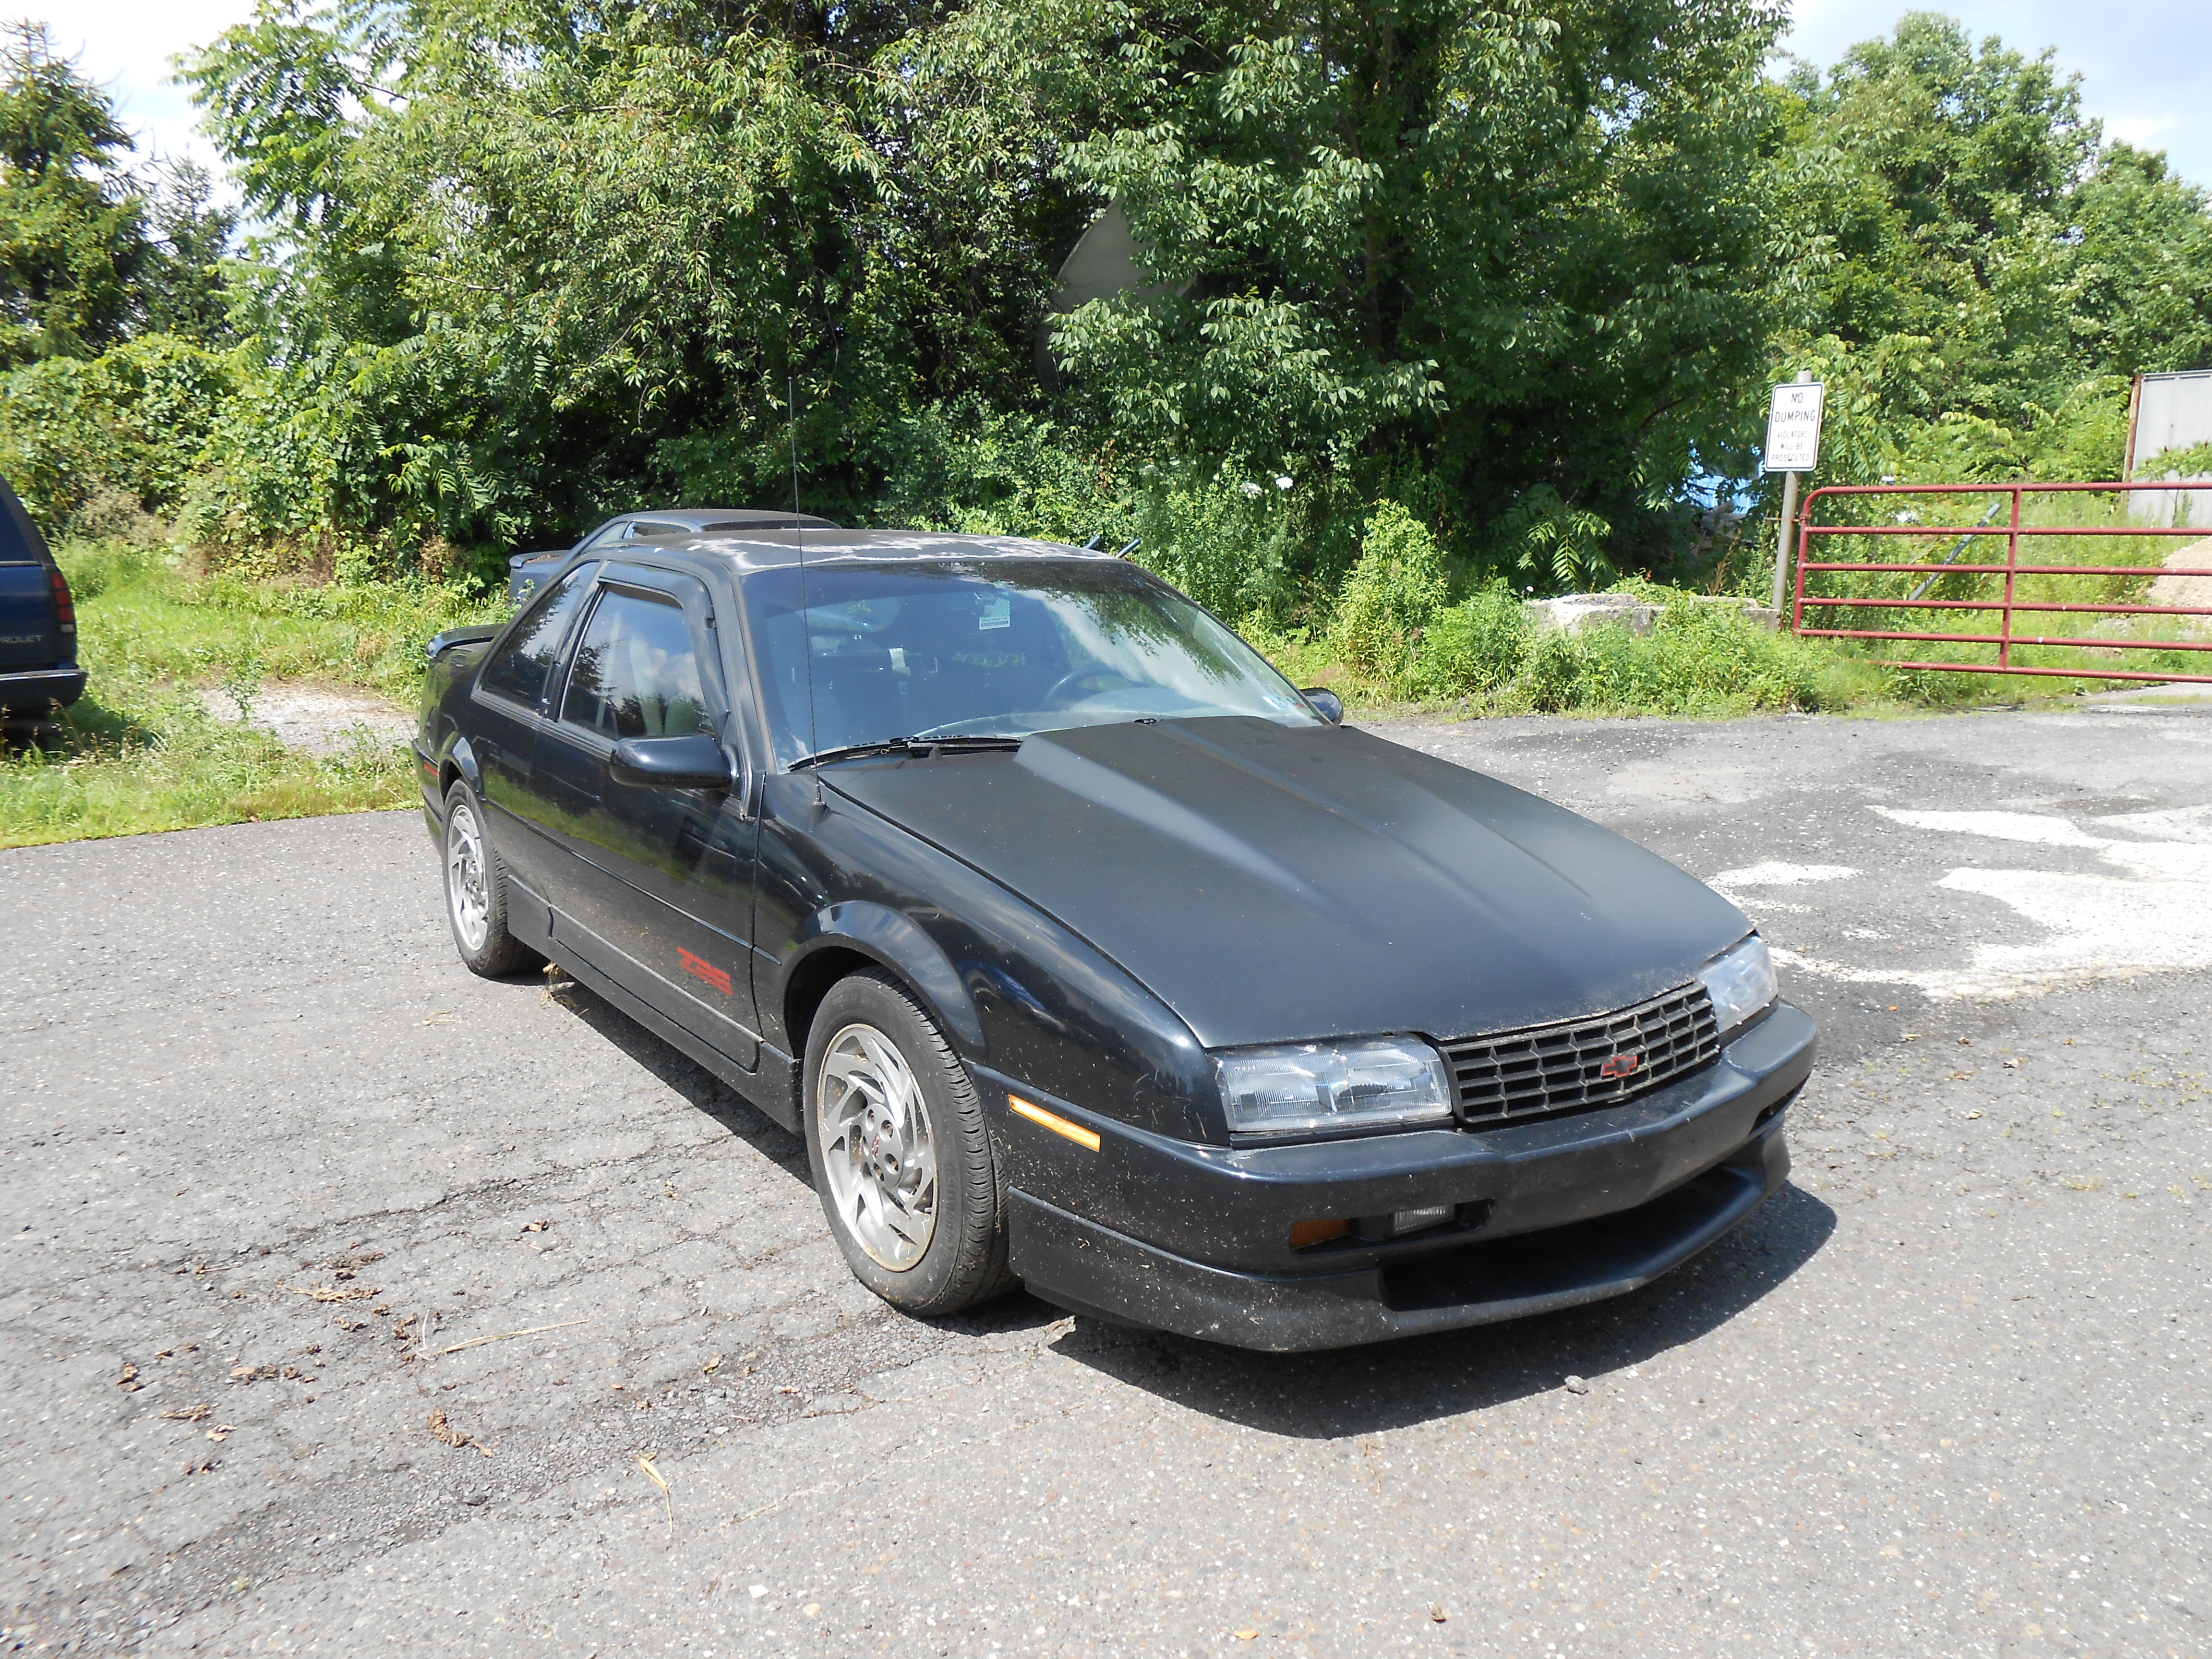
(349, 1303)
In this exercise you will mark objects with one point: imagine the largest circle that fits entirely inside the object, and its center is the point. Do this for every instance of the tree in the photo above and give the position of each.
(573, 260)
(1523, 267)
(181, 288)
(1974, 271)
(72, 237)
(1512, 246)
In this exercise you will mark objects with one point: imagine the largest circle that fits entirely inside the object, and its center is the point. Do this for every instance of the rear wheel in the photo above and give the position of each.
(475, 893)
(900, 1154)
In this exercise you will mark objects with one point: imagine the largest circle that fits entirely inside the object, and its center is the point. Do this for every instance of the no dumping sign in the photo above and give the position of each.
(1793, 427)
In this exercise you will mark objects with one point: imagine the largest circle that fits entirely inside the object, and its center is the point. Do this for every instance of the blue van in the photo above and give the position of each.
(38, 620)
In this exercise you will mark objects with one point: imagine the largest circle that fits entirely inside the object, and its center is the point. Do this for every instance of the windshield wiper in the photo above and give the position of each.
(921, 748)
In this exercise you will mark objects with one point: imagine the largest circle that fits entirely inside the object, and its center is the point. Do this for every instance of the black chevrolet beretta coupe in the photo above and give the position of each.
(1086, 953)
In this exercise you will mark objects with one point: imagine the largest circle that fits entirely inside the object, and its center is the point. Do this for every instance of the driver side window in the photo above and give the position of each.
(636, 674)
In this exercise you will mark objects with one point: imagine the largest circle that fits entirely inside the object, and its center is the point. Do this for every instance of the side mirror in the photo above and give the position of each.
(1325, 703)
(691, 763)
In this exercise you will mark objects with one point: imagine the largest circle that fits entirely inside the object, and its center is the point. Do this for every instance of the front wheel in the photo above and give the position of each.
(475, 893)
(900, 1154)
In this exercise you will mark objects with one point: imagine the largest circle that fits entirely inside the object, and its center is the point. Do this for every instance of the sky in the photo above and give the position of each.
(2146, 64)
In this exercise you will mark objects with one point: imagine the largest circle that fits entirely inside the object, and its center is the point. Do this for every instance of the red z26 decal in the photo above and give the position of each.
(700, 968)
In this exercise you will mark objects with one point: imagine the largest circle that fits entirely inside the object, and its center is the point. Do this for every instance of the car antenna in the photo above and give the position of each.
(1130, 546)
(1092, 546)
(806, 628)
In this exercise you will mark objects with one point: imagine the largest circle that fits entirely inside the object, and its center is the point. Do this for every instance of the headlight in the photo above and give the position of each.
(1741, 983)
(1303, 1087)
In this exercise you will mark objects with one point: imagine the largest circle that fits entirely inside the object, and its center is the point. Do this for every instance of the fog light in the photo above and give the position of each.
(1412, 1221)
(1399, 1223)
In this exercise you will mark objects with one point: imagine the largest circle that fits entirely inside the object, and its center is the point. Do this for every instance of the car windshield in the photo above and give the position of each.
(993, 647)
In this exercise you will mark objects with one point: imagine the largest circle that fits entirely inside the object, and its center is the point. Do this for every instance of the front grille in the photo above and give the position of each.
(1599, 1061)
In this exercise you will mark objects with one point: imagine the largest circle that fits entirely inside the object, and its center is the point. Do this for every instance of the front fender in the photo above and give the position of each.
(896, 941)
(1012, 989)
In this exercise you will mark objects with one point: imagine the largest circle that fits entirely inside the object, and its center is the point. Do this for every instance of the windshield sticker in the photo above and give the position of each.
(994, 613)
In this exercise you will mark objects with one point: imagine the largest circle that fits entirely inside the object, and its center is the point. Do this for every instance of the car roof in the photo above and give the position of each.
(724, 518)
(768, 550)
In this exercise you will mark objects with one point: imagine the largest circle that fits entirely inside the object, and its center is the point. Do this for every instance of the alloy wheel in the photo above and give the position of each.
(877, 1151)
(465, 889)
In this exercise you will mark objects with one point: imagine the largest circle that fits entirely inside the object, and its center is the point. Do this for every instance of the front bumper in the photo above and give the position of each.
(1196, 1239)
(38, 688)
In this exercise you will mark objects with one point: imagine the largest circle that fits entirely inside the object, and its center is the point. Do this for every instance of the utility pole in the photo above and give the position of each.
(1793, 448)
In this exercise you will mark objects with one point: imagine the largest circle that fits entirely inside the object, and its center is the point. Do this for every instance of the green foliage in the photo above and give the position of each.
(181, 286)
(1698, 659)
(1558, 546)
(1510, 245)
(551, 266)
(1266, 546)
(137, 419)
(1389, 599)
(89, 253)
(2188, 461)
(1476, 646)
(146, 614)
(1974, 274)
(964, 467)
(136, 758)
(1485, 654)
(1446, 297)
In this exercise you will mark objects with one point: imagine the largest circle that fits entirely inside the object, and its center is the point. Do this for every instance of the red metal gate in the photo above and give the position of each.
(2012, 570)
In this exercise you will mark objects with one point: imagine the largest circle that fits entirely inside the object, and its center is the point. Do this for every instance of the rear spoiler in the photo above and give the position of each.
(441, 643)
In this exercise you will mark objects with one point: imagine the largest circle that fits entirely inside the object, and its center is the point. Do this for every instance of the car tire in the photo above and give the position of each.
(475, 892)
(900, 1152)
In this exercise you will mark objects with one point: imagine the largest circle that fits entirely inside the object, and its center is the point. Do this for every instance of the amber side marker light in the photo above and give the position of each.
(1053, 1121)
(1303, 1233)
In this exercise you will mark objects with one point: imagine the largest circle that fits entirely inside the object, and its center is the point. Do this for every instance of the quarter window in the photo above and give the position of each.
(520, 670)
(636, 674)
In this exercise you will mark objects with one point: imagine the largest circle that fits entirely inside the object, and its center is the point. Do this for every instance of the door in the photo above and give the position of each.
(507, 708)
(656, 888)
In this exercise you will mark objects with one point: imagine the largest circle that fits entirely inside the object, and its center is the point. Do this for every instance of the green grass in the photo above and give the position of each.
(139, 752)
(1483, 657)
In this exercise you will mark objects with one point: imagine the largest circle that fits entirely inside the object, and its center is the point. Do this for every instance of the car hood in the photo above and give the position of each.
(1278, 884)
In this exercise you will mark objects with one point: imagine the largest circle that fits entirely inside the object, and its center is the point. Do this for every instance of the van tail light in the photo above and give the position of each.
(65, 602)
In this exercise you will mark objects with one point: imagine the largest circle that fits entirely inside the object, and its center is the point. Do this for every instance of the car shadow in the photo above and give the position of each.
(1354, 1391)
(20, 734)
(699, 1087)
(709, 1095)
(85, 728)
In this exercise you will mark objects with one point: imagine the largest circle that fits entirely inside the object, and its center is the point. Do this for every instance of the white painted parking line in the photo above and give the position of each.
(1773, 873)
(2155, 915)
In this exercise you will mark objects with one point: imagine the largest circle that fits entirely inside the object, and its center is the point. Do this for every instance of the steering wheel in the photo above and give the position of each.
(1068, 683)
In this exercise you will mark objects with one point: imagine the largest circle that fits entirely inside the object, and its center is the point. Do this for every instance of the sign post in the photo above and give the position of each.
(1793, 446)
